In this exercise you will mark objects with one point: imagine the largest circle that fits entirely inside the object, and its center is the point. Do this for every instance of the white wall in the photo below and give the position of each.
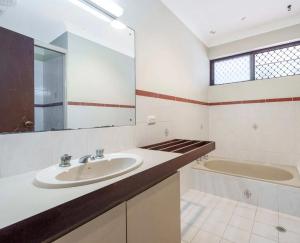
(97, 74)
(284, 87)
(276, 138)
(260, 89)
(288, 34)
(170, 60)
(263, 132)
(92, 116)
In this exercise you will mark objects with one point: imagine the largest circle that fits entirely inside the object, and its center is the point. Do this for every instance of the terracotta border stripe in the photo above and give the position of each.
(225, 103)
(254, 101)
(173, 98)
(168, 97)
(146, 93)
(198, 102)
(279, 100)
(99, 104)
(180, 99)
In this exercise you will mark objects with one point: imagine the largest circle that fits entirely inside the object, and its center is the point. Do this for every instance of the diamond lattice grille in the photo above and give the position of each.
(278, 63)
(232, 70)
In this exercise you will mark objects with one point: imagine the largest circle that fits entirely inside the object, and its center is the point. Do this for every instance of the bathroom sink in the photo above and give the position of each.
(77, 174)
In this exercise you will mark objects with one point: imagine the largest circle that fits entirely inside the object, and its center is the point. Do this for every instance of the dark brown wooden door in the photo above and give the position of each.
(16, 82)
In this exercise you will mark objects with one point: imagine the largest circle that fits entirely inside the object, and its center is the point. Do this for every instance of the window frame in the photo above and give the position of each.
(251, 54)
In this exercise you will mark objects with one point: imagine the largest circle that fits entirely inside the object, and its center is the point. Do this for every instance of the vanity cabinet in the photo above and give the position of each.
(150, 217)
(154, 215)
(110, 227)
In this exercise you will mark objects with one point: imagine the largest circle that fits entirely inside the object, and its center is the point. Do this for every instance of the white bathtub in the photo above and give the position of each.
(285, 175)
(269, 186)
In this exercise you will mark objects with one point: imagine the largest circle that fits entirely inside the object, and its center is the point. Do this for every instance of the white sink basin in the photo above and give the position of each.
(77, 174)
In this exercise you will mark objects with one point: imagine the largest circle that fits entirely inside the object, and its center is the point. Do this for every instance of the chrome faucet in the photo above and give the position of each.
(85, 159)
(199, 160)
(99, 155)
(65, 160)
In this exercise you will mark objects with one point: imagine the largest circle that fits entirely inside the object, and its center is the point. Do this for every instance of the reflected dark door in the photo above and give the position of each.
(16, 82)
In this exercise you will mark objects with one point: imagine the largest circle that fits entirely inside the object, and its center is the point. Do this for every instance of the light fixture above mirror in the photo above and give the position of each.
(107, 6)
(99, 7)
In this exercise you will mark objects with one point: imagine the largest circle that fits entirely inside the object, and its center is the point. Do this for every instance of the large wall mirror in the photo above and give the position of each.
(64, 64)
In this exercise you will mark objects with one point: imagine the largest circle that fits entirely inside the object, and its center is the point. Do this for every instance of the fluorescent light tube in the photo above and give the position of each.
(109, 6)
(91, 10)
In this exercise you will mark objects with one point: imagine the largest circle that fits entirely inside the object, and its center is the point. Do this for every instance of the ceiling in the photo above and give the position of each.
(224, 17)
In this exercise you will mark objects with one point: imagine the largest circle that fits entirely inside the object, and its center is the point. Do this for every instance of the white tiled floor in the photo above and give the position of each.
(206, 218)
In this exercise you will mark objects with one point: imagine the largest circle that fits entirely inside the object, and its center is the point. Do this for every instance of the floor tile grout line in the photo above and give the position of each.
(222, 202)
(190, 201)
(277, 203)
(229, 222)
(251, 231)
(200, 227)
(215, 208)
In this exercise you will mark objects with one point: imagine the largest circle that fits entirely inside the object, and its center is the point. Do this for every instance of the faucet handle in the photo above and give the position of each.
(99, 153)
(65, 160)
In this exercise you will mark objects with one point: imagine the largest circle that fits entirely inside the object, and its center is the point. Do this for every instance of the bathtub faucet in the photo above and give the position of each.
(205, 157)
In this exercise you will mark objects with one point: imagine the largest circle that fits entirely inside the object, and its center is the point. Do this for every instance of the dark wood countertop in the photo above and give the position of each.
(58, 221)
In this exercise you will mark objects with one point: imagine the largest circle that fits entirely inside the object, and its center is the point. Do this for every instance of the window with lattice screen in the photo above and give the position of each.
(232, 70)
(275, 62)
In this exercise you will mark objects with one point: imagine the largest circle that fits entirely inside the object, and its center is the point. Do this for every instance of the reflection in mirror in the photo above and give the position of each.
(48, 90)
(65, 64)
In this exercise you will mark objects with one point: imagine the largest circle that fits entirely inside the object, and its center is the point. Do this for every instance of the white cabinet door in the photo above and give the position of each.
(110, 227)
(154, 215)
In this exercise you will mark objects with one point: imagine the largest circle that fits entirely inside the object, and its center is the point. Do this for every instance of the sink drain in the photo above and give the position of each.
(281, 229)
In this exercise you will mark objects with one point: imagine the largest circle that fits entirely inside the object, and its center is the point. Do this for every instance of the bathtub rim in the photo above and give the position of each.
(295, 182)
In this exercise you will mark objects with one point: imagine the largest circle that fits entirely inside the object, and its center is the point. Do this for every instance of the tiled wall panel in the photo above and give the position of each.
(263, 132)
(284, 199)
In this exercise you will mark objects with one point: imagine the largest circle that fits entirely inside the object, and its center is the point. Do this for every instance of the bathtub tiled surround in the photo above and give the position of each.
(263, 132)
(206, 218)
(279, 198)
